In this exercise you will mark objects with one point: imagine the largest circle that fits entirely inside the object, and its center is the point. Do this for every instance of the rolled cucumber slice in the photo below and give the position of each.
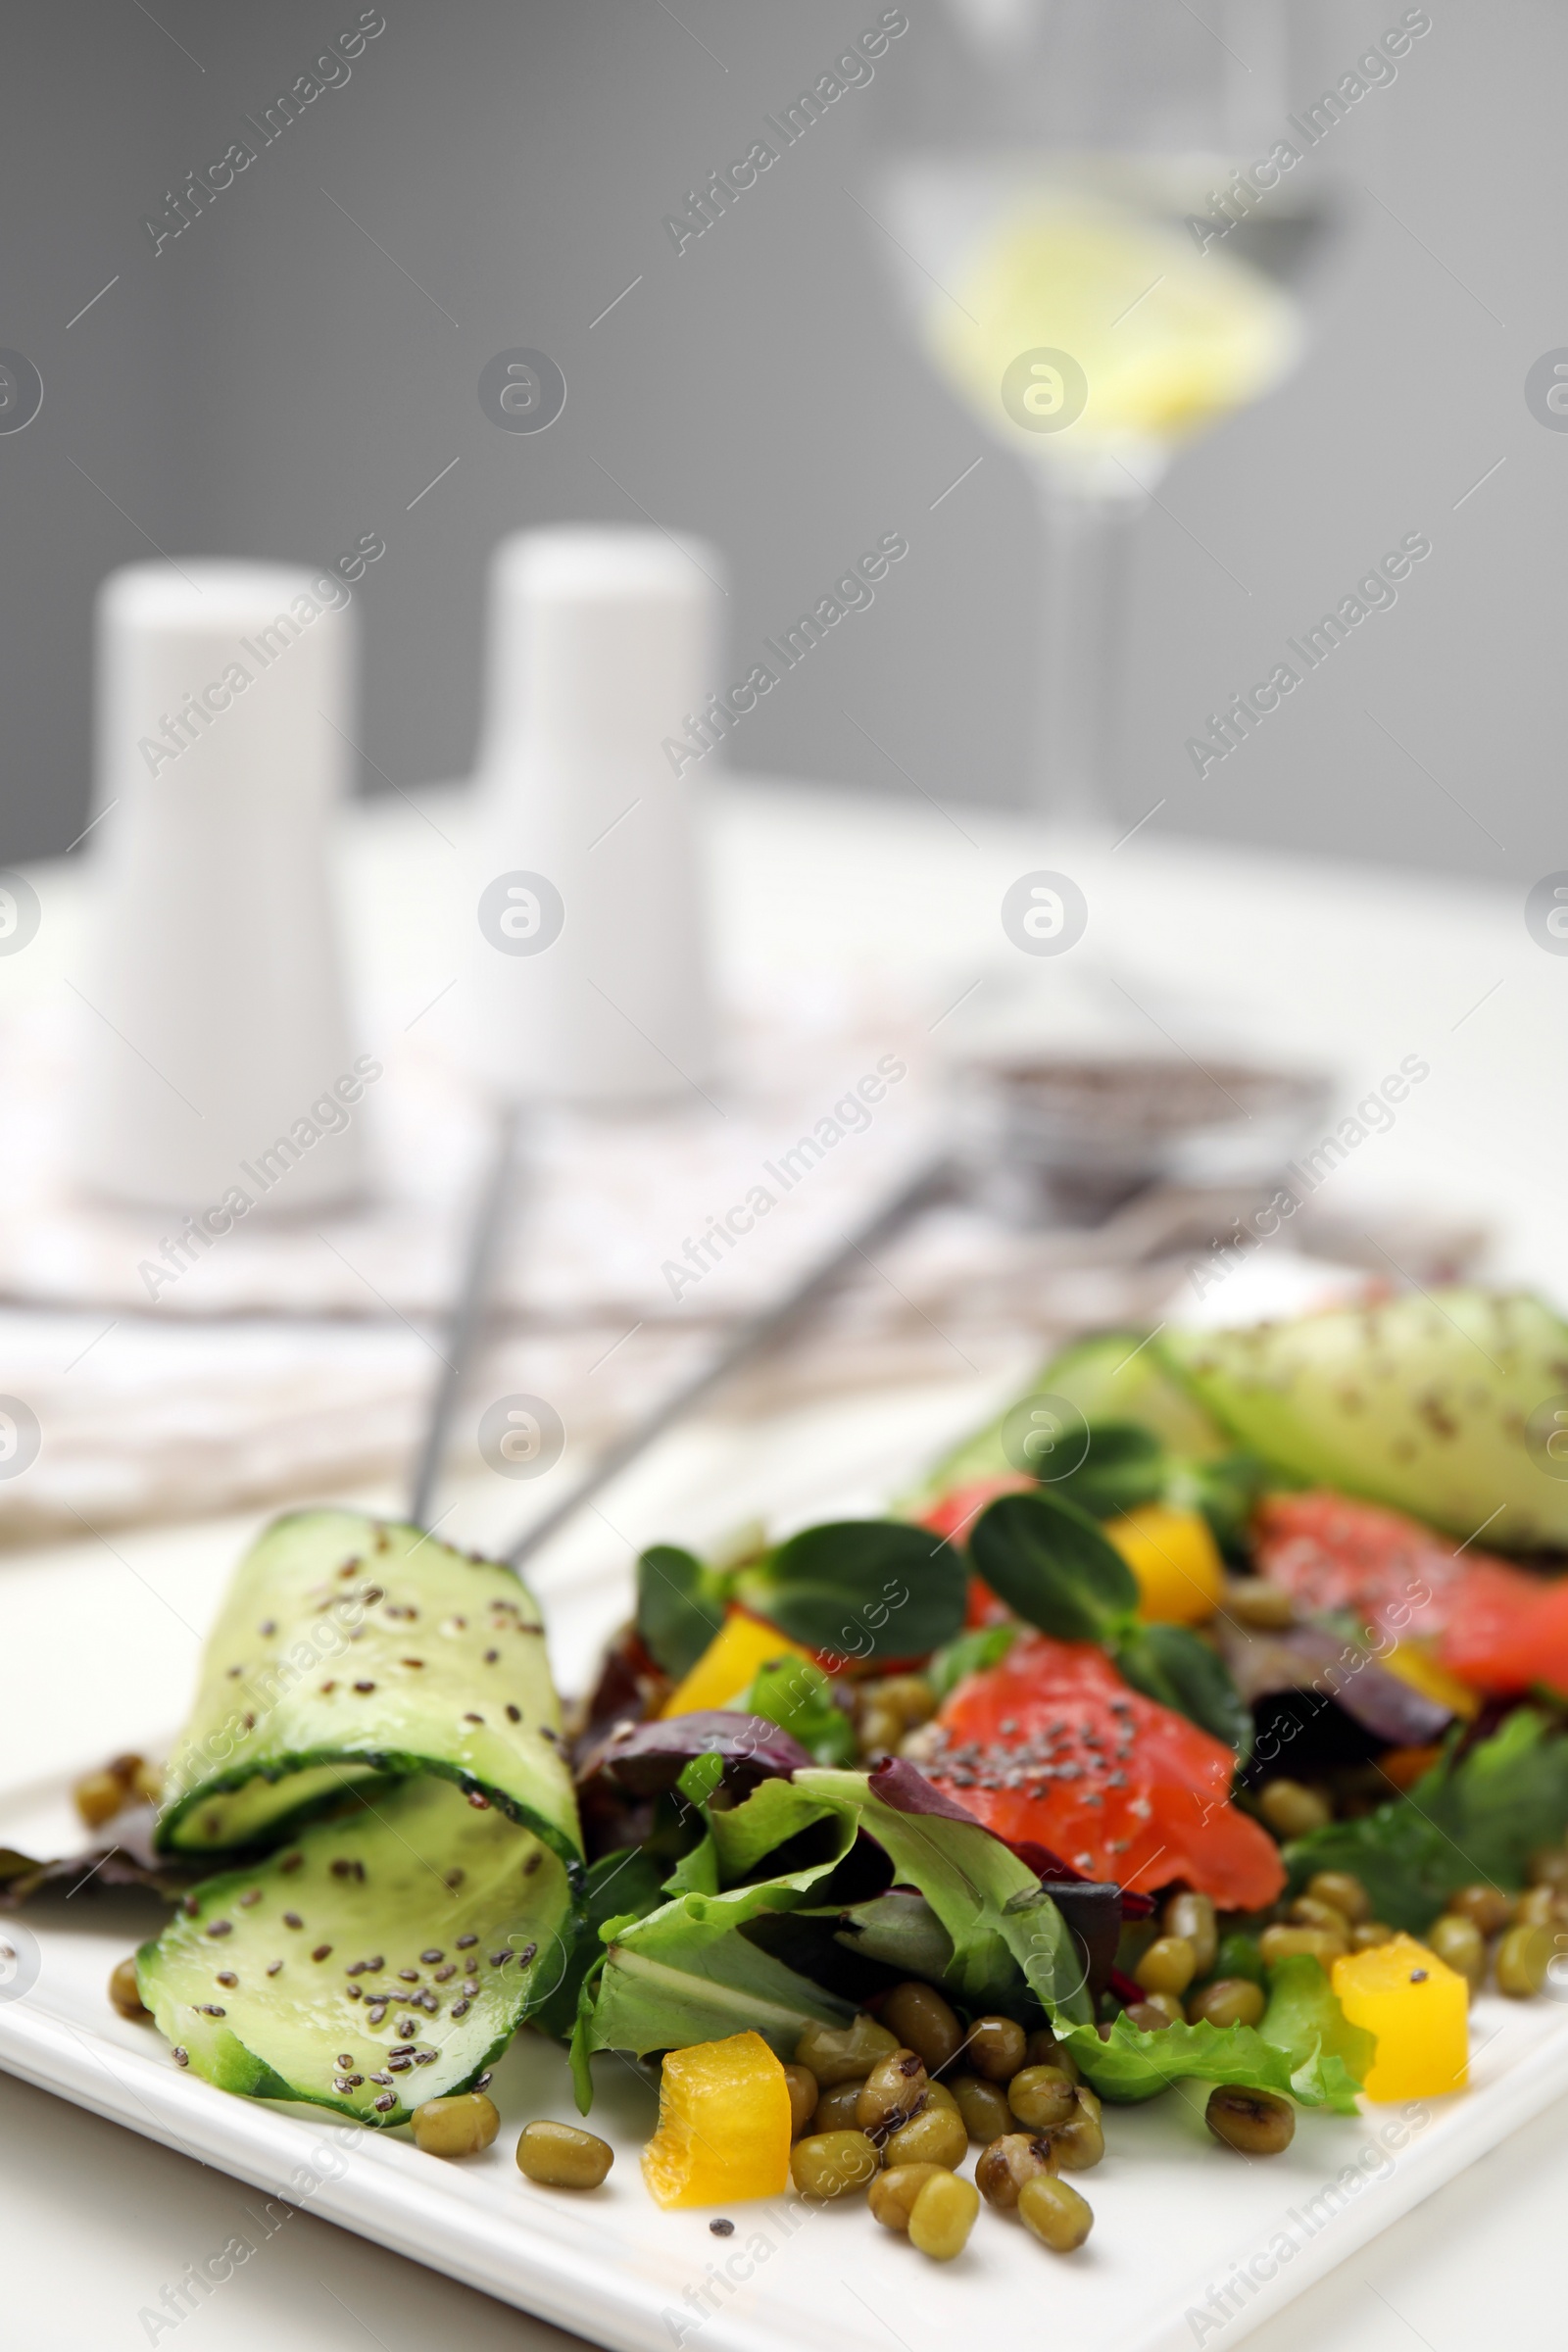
(1425, 1404)
(410, 1922)
(1114, 1376)
(348, 1650)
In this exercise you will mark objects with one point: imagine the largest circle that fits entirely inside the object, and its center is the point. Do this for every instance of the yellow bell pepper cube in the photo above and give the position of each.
(1418, 2008)
(1181, 1577)
(730, 1663)
(723, 2124)
(1415, 1665)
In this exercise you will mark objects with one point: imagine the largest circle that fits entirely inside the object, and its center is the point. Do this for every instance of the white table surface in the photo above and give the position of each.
(1356, 967)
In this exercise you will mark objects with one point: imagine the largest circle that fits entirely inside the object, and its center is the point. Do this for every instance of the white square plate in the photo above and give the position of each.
(1192, 2244)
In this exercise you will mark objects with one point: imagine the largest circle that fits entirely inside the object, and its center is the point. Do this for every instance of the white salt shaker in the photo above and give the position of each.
(218, 1059)
(589, 974)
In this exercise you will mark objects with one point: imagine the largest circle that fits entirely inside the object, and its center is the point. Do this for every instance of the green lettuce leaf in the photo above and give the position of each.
(902, 1930)
(1304, 2049)
(1479, 1816)
(685, 1975)
(624, 1884)
(699, 1777)
(1303, 2017)
(1131, 2065)
(737, 1840)
(686, 1971)
(991, 1904)
(799, 1698)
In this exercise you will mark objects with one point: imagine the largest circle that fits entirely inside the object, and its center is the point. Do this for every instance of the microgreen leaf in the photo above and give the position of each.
(1169, 1663)
(1125, 1466)
(680, 1606)
(1052, 1565)
(861, 1589)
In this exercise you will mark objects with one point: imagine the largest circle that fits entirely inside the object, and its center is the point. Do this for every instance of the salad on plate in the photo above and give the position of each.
(1204, 1719)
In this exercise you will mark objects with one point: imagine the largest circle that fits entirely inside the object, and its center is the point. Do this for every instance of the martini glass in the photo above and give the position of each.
(1058, 211)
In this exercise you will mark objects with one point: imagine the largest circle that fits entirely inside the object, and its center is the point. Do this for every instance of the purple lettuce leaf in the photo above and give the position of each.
(647, 1759)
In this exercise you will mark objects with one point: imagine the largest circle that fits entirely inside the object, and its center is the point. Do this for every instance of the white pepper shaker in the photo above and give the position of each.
(217, 1052)
(588, 960)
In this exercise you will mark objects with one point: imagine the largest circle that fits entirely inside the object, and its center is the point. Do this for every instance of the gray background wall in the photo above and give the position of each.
(280, 380)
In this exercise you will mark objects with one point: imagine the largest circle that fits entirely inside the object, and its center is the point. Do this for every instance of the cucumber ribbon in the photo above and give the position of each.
(375, 1755)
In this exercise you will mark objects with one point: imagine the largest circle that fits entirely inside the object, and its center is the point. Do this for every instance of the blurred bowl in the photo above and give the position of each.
(1072, 1135)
